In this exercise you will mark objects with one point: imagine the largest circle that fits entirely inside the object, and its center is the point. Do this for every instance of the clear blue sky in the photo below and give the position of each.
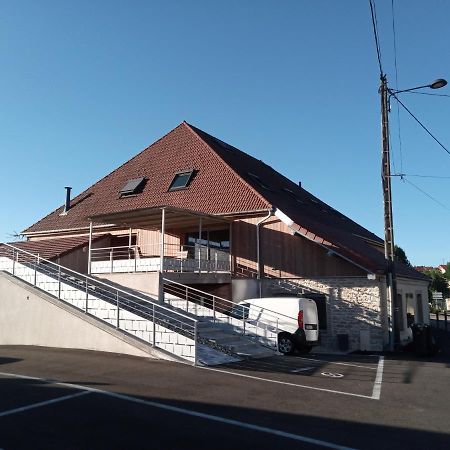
(85, 85)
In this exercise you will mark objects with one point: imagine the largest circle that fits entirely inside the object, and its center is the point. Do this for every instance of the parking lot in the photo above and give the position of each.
(55, 398)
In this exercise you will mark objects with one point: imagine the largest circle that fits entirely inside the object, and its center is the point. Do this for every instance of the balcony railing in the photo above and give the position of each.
(147, 258)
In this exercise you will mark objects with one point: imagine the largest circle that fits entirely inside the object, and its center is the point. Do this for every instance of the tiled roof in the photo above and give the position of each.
(215, 189)
(227, 180)
(312, 217)
(52, 248)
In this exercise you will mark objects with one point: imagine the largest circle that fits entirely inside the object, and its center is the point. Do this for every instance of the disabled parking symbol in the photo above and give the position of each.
(332, 374)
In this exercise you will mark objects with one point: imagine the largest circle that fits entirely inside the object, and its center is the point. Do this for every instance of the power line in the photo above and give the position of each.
(401, 175)
(426, 194)
(428, 93)
(421, 124)
(396, 86)
(375, 33)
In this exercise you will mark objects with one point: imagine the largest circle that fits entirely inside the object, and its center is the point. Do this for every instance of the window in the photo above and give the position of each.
(181, 180)
(400, 313)
(258, 180)
(132, 187)
(419, 312)
(410, 309)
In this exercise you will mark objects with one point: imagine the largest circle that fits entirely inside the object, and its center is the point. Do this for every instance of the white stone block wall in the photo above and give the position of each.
(162, 337)
(355, 306)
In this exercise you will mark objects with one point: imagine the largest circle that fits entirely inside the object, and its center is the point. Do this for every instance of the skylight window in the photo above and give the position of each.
(181, 180)
(132, 187)
(258, 180)
(292, 194)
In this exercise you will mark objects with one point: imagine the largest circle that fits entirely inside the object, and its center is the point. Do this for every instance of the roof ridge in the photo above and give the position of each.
(192, 130)
(106, 176)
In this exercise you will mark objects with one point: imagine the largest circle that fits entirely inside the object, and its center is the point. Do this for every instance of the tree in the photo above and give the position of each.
(447, 271)
(400, 255)
(439, 283)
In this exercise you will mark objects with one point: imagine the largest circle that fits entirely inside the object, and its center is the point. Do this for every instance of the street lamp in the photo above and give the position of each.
(391, 279)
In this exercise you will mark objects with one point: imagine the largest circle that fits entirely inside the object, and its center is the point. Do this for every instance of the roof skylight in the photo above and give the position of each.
(258, 180)
(181, 180)
(132, 187)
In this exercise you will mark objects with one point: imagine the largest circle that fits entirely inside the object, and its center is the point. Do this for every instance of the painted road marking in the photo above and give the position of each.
(302, 386)
(340, 363)
(41, 404)
(332, 374)
(188, 412)
(303, 369)
(376, 393)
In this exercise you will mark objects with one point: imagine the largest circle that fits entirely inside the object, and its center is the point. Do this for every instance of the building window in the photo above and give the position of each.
(419, 311)
(181, 180)
(410, 309)
(132, 187)
(401, 313)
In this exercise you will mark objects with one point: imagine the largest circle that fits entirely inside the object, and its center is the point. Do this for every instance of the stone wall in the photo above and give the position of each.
(355, 306)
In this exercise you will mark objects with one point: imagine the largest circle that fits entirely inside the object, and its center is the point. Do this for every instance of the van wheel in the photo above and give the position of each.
(285, 343)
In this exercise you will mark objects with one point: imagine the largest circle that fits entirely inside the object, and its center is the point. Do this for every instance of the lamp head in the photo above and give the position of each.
(437, 84)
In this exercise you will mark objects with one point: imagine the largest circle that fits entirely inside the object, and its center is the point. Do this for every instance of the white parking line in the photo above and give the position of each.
(376, 393)
(41, 404)
(188, 412)
(302, 386)
(339, 363)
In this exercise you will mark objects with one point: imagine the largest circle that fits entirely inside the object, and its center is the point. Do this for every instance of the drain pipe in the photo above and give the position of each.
(258, 250)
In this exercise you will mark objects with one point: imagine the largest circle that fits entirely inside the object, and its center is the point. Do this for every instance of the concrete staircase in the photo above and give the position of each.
(226, 339)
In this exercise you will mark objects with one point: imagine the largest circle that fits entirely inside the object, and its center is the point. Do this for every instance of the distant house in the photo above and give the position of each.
(202, 212)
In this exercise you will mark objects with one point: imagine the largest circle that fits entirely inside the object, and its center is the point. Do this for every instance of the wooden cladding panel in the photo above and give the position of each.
(282, 253)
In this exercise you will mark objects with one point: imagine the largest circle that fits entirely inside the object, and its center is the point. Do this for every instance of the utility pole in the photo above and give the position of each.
(391, 279)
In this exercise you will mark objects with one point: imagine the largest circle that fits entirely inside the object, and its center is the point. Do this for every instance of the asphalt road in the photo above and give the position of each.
(68, 399)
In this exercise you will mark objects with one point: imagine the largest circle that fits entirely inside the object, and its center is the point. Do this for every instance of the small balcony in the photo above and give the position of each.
(176, 258)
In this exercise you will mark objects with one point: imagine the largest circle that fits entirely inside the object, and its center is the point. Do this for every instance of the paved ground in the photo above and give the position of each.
(63, 399)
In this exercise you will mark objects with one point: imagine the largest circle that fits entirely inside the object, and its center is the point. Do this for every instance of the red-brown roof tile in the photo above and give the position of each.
(227, 180)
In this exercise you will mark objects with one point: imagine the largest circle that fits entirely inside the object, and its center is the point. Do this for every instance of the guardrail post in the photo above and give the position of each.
(215, 262)
(59, 282)
(214, 308)
(154, 327)
(187, 299)
(243, 320)
(14, 263)
(118, 309)
(35, 270)
(135, 259)
(111, 261)
(437, 319)
(195, 343)
(87, 296)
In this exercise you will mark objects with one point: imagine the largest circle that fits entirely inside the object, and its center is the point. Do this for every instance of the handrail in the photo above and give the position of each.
(226, 300)
(97, 281)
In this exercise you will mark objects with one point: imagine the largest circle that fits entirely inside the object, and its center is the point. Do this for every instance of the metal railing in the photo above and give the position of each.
(259, 323)
(146, 258)
(138, 316)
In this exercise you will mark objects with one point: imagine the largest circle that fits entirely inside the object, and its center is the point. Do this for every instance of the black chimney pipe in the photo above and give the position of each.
(67, 207)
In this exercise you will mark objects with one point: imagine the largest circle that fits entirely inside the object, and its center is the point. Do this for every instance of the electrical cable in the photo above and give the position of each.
(375, 33)
(420, 123)
(428, 93)
(426, 194)
(396, 87)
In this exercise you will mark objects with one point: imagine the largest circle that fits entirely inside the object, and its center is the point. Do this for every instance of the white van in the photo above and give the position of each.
(295, 319)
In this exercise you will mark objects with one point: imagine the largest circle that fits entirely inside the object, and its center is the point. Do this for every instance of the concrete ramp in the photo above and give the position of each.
(30, 316)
